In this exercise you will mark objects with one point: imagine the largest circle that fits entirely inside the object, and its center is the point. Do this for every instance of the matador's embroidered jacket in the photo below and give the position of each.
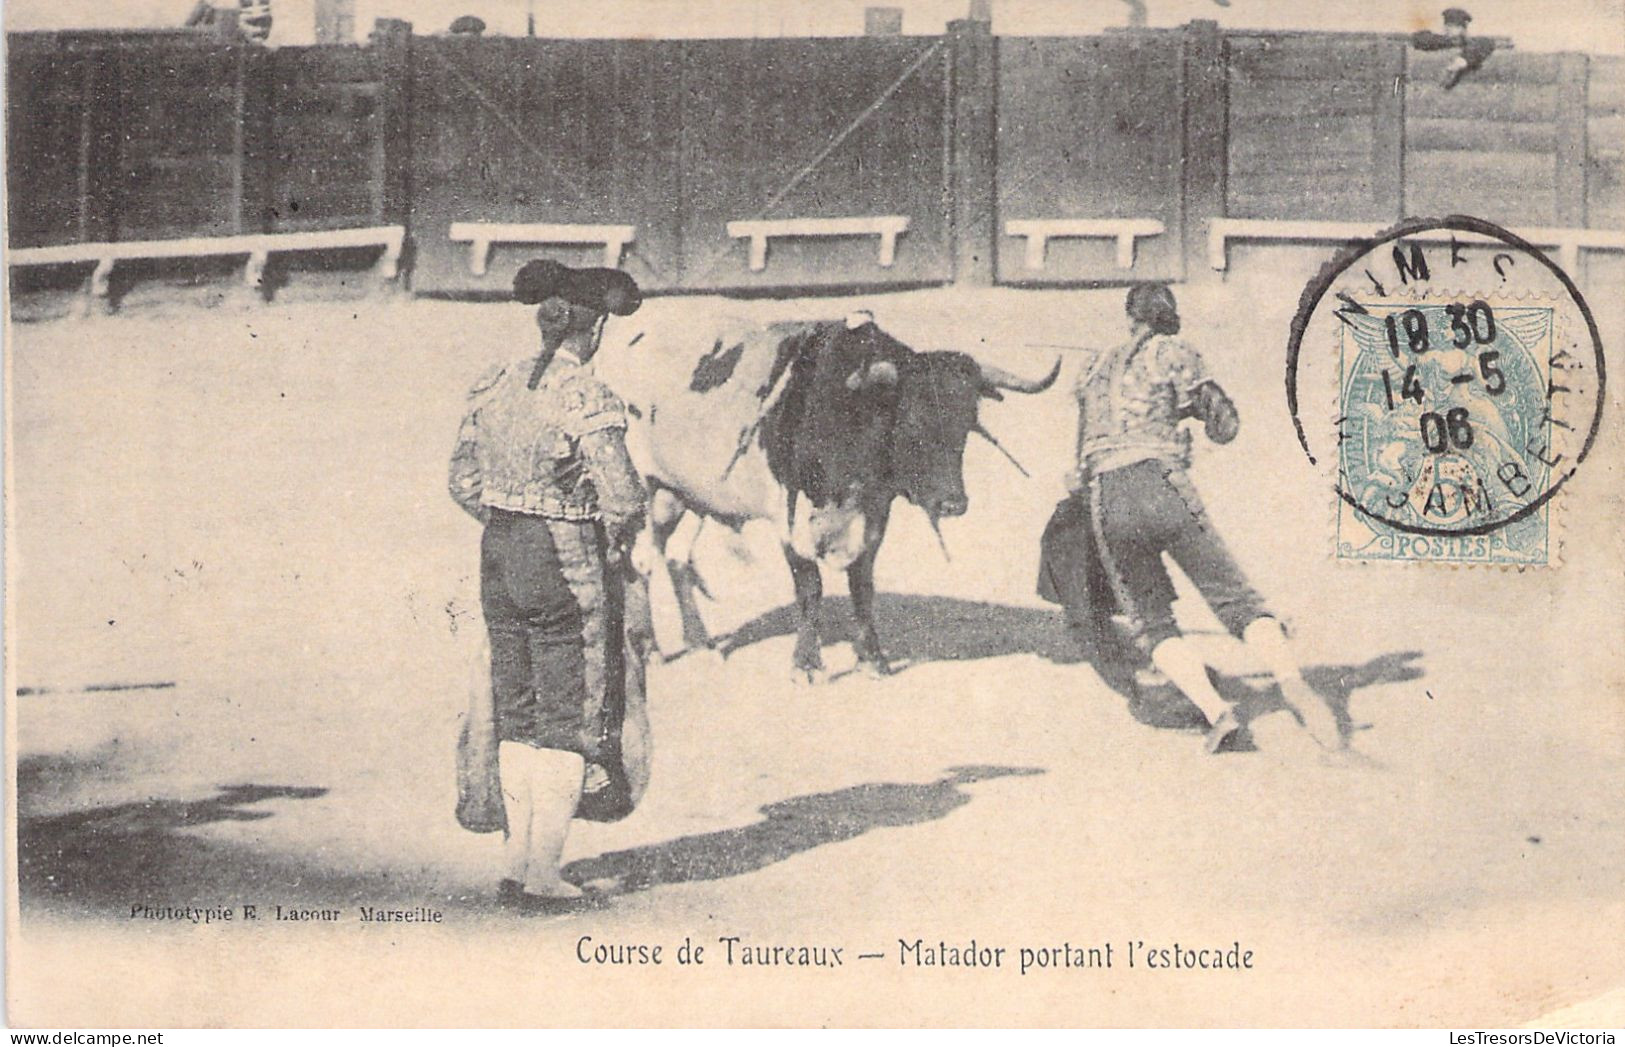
(556, 451)
(1133, 399)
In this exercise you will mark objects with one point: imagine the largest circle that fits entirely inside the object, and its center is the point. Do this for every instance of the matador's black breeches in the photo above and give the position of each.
(1139, 512)
(542, 589)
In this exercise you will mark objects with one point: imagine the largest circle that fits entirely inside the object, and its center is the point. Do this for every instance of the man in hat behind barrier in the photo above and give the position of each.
(541, 461)
(1471, 51)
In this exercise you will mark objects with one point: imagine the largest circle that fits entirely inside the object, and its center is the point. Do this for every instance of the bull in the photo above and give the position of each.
(816, 427)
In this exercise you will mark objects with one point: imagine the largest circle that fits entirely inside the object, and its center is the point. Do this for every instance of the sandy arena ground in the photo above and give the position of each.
(247, 506)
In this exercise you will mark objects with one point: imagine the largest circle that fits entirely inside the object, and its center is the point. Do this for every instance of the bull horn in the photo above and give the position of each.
(984, 434)
(999, 378)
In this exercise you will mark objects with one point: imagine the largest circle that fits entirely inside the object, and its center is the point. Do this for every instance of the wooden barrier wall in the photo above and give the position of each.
(1314, 128)
(560, 131)
(177, 140)
(1492, 145)
(959, 136)
(1605, 144)
(677, 139)
(324, 140)
(182, 115)
(1091, 128)
(53, 143)
(873, 144)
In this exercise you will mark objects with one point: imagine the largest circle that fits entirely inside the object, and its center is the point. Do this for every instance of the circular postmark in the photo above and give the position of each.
(1454, 376)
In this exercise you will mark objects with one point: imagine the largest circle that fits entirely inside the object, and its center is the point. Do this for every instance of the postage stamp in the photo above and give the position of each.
(1463, 388)
(1445, 426)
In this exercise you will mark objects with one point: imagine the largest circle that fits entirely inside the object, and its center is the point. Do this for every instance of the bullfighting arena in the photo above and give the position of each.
(243, 612)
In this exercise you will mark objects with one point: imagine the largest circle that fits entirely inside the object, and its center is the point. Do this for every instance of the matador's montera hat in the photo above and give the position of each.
(601, 290)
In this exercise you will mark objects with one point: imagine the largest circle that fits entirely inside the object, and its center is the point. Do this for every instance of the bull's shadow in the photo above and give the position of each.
(916, 629)
(788, 827)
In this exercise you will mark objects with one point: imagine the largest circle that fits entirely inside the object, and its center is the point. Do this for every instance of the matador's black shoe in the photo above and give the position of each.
(1223, 729)
(512, 895)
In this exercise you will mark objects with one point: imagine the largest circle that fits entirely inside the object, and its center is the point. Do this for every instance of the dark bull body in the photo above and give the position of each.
(818, 427)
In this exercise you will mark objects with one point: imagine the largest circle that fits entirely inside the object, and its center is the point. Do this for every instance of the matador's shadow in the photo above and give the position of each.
(1335, 683)
(787, 828)
(109, 855)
